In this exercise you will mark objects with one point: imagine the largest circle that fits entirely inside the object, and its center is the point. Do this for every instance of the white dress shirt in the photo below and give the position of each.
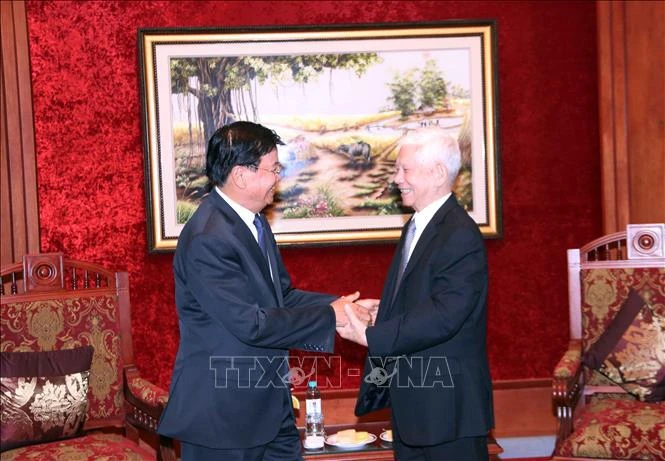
(423, 217)
(246, 215)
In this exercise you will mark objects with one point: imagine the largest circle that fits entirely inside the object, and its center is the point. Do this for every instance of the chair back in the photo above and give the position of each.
(51, 303)
(600, 277)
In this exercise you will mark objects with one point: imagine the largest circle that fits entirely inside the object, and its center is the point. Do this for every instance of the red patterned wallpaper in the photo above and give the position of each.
(90, 159)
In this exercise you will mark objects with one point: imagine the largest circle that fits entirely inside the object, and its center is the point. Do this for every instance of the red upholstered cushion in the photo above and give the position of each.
(82, 318)
(110, 447)
(603, 293)
(44, 395)
(618, 429)
(631, 352)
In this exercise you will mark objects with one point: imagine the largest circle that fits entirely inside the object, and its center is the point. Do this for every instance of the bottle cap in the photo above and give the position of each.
(311, 384)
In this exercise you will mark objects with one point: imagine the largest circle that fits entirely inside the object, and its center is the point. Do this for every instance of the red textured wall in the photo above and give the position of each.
(90, 159)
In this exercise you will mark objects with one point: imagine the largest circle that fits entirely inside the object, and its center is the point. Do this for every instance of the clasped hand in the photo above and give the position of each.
(341, 317)
(355, 316)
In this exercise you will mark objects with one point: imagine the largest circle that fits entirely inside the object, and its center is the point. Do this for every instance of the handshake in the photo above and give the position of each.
(353, 316)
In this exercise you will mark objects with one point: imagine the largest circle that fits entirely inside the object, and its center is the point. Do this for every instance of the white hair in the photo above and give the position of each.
(434, 144)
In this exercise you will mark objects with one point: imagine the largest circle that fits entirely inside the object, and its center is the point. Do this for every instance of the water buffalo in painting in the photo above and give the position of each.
(358, 152)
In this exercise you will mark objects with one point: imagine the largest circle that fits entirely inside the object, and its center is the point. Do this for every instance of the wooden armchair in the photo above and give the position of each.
(52, 309)
(608, 388)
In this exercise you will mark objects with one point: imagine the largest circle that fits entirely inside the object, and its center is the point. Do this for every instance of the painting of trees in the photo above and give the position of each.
(341, 101)
(337, 164)
(403, 89)
(419, 89)
(224, 86)
(433, 87)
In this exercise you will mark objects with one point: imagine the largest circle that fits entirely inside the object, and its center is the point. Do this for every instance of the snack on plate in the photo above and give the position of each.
(351, 436)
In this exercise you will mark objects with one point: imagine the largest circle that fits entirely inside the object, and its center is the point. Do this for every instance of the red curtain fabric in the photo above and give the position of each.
(91, 166)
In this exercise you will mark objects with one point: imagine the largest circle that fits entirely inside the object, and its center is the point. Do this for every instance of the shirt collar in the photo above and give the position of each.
(246, 215)
(424, 216)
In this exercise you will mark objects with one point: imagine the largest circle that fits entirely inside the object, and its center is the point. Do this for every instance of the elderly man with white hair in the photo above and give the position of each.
(427, 354)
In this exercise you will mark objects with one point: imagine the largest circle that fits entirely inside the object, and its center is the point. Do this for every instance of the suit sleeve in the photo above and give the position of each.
(221, 287)
(458, 275)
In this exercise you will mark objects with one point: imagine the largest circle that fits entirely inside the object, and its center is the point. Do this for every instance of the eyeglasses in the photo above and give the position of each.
(277, 170)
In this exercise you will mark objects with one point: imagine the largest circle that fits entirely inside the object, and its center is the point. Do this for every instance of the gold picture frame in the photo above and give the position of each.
(340, 97)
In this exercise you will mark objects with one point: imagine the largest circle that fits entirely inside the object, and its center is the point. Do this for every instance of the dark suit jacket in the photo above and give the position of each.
(236, 326)
(432, 337)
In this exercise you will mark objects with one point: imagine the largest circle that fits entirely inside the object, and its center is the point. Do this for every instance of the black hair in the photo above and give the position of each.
(240, 143)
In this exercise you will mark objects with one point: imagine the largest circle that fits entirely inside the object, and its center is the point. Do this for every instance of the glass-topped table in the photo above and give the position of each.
(378, 450)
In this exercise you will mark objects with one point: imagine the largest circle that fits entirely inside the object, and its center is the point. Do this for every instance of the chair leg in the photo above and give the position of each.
(166, 449)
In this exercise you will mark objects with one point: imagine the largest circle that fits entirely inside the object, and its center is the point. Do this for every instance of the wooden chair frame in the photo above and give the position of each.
(641, 245)
(49, 275)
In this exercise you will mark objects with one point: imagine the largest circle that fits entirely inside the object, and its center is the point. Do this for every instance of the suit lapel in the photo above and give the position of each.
(243, 234)
(428, 234)
(421, 247)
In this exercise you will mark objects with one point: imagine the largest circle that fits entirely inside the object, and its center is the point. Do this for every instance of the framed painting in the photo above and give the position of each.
(341, 98)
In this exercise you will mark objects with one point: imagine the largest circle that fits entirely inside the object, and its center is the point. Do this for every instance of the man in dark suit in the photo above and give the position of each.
(427, 355)
(238, 314)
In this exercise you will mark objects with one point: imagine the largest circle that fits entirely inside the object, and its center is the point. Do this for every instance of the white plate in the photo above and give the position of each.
(384, 437)
(330, 440)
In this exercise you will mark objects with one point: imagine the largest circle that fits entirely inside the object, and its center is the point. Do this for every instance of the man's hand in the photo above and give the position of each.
(360, 312)
(372, 306)
(355, 329)
(338, 307)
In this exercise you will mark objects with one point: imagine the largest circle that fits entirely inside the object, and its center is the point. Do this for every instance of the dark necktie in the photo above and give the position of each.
(272, 267)
(408, 241)
(261, 234)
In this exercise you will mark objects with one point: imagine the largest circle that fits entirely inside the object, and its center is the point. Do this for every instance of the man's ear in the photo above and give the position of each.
(441, 174)
(238, 178)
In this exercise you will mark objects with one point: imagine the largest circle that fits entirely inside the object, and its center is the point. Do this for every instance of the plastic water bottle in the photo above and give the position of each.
(314, 433)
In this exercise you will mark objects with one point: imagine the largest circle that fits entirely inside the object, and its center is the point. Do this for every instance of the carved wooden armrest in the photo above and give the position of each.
(570, 363)
(146, 392)
(566, 385)
(145, 402)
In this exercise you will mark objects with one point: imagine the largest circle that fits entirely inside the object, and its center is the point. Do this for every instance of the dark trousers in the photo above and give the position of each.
(285, 447)
(464, 449)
